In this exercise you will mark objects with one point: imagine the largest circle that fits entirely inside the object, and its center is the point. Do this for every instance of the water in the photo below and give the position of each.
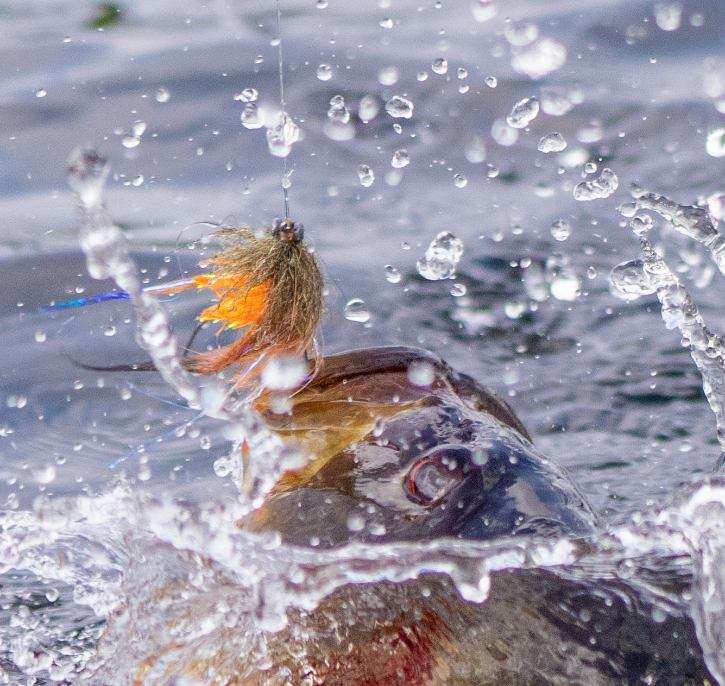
(101, 471)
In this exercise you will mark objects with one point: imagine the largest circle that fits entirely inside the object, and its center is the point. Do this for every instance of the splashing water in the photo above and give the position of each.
(689, 220)
(679, 310)
(601, 187)
(159, 586)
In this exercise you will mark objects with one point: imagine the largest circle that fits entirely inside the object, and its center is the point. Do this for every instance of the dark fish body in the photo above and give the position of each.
(485, 480)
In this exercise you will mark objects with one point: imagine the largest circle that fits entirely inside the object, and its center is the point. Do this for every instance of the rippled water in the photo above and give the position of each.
(600, 383)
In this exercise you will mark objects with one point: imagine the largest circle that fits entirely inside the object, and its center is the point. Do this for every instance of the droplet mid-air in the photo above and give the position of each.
(523, 113)
(441, 257)
(552, 142)
(398, 107)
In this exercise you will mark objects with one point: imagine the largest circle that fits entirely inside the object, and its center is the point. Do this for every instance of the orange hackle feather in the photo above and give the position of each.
(269, 286)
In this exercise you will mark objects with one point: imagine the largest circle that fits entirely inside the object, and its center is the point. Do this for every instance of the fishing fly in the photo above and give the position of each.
(267, 286)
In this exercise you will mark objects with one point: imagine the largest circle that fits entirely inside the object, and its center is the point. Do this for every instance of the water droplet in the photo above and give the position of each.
(552, 142)
(144, 473)
(388, 76)
(668, 15)
(476, 150)
(400, 159)
(503, 134)
(250, 117)
(355, 523)
(356, 311)
(324, 72)
(46, 475)
(541, 58)
(249, 94)
(110, 330)
(87, 174)
(421, 373)
(386, 23)
(284, 373)
(555, 103)
(523, 113)
(321, 4)
(715, 144)
(40, 336)
(162, 95)
(392, 275)
(366, 175)
(590, 168)
(520, 35)
(368, 108)
(422, 76)
(460, 181)
(130, 142)
(601, 187)
(491, 81)
(41, 93)
(483, 10)
(440, 65)
(282, 135)
(441, 257)
(458, 290)
(52, 594)
(139, 128)
(338, 111)
(399, 106)
(462, 73)
(630, 280)
(561, 230)
(514, 309)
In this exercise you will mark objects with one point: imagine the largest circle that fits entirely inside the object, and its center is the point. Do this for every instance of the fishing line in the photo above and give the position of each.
(280, 70)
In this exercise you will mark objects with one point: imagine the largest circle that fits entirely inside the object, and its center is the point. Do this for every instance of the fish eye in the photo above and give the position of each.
(436, 474)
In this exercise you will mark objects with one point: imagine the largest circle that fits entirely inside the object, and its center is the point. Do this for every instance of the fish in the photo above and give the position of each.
(423, 463)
